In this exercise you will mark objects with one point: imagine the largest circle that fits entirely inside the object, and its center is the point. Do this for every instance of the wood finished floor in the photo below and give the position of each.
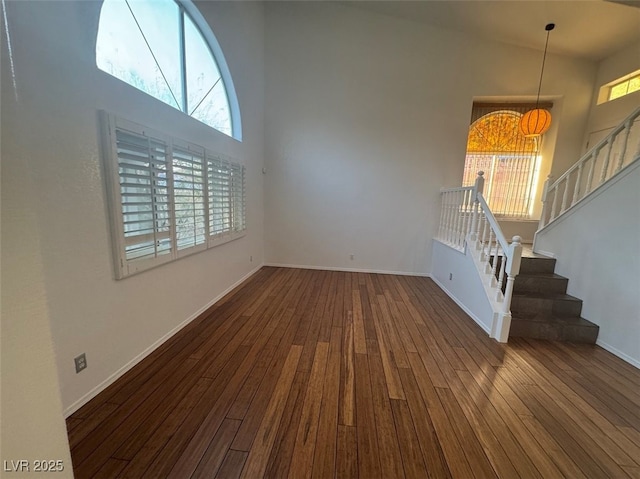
(317, 374)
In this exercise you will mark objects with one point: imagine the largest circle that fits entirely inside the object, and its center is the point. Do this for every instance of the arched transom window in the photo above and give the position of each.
(166, 49)
(509, 160)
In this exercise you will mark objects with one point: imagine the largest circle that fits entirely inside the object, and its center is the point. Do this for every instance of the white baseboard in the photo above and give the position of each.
(115, 376)
(348, 270)
(620, 354)
(464, 308)
(545, 253)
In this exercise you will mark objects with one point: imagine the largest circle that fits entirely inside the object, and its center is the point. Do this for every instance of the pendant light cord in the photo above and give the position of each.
(548, 28)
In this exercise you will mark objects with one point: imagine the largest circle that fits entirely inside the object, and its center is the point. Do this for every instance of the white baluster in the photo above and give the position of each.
(494, 266)
(627, 130)
(545, 202)
(487, 258)
(452, 217)
(468, 210)
(447, 220)
(553, 204)
(605, 165)
(465, 222)
(465, 217)
(459, 206)
(452, 203)
(503, 264)
(593, 158)
(477, 190)
(474, 221)
(484, 235)
(565, 195)
(443, 216)
(481, 220)
(576, 188)
(442, 210)
(470, 213)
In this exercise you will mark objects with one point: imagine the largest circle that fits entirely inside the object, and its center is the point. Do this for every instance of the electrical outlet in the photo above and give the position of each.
(81, 362)
(251, 259)
(352, 256)
(450, 276)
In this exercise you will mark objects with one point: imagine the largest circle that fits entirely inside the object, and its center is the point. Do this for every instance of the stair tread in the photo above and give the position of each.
(541, 275)
(532, 255)
(539, 295)
(560, 320)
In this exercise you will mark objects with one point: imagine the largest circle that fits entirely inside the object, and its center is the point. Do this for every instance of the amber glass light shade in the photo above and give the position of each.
(535, 122)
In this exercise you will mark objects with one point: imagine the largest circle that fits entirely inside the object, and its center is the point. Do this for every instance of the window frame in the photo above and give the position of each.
(623, 82)
(604, 95)
(519, 201)
(124, 266)
(186, 7)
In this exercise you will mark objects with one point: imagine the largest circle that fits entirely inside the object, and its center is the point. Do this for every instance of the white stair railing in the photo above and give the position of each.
(468, 225)
(456, 215)
(605, 160)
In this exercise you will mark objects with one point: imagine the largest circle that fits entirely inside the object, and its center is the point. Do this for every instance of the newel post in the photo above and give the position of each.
(478, 188)
(545, 202)
(512, 270)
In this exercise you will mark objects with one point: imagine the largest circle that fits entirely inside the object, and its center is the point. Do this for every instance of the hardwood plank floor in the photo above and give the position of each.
(301, 373)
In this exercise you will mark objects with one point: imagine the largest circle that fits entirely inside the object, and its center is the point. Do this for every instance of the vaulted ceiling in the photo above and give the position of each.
(589, 29)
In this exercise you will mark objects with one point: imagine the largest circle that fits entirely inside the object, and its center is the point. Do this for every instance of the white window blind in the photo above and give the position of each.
(219, 183)
(237, 197)
(168, 198)
(189, 196)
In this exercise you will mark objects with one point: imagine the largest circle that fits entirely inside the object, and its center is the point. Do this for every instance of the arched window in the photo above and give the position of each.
(166, 49)
(509, 160)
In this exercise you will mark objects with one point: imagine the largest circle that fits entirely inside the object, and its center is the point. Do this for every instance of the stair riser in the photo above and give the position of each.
(536, 284)
(537, 265)
(546, 306)
(531, 265)
(553, 331)
(541, 309)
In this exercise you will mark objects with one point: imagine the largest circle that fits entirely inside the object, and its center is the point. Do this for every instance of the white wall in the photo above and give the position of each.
(32, 425)
(367, 118)
(606, 116)
(596, 246)
(458, 276)
(526, 229)
(57, 167)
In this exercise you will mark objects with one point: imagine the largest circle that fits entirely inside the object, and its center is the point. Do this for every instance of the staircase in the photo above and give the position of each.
(526, 298)
(541, 307)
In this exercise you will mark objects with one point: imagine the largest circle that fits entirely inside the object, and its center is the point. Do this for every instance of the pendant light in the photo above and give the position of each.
(537, 121)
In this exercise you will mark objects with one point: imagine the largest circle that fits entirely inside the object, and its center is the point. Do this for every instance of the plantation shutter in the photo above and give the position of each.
(144, 196)
(219, 185)
(189, 197)
(238, 197)
(168, 198)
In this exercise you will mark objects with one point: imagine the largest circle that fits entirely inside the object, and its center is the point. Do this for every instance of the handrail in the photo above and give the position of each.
(456, 188)
(504, 244)
(574, 188)
(468, 225)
